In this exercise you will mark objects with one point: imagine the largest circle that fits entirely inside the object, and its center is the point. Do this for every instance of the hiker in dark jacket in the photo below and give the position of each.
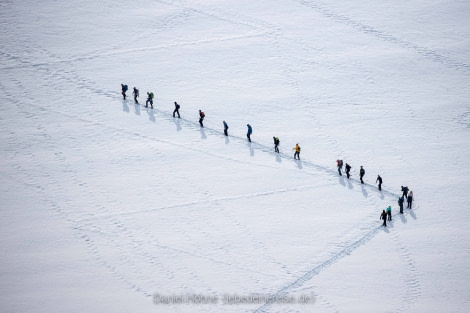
(149, 100)
(379, 179)
(201, 117)
(348, 169)
(276, 144)
(383, 216)
(400, 204)
(177, 110)
(136, 94)
(123, 91)
(405, 191)
(225, 129)
(362, 172)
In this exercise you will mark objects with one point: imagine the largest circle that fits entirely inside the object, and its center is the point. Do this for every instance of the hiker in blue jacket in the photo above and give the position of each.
(250, 131)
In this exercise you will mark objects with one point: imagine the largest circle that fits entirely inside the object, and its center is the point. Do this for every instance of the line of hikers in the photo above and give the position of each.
(387, 214)
(202, 115)
(296, 149)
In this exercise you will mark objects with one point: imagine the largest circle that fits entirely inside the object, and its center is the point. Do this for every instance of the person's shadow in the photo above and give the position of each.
(364, 191)
(252, 151)
(227, 141)
(381, 195)
(341, 181)
(178, 124)
(203, 132)
(137, 108)
(125, 107)
(151, 115)
(299, 164)
(403, 218)
(278, 157)
(350, 186)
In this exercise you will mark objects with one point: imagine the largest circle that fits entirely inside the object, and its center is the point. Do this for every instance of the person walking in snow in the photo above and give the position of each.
(339, 163)
(225, 129)
(135, 92)
(401, 200)
(410, 199)
(348, 169)
(405, 191)
(177, 110)
(389, 213)
(149, 100)
(276, 144)
(123, 91)
(362, 172)
(297, 151)
(379, 179)
(202, 115)
(250, 131)
(383, 216)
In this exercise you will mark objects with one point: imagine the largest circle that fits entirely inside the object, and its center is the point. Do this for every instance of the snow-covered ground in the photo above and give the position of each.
(107, 206)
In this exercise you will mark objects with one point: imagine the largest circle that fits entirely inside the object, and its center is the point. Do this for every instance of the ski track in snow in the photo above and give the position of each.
(426, 53)
(345, 248)
(412, 293)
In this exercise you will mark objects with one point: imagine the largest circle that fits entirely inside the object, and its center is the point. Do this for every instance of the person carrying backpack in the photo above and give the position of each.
(405, 191)
(383, 216)
(177, 110)
(362, 172)
(410, 199)
(123, 91)
(149, 100)
(225, 129)
(339, 163)
(348, 169)
(136, 94)
(276, 144)
(250, 131)
(297, 151)
(201, 117)
(400, 204)
(379, 179)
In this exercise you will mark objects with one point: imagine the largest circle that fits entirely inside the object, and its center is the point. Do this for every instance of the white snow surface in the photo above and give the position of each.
(105, 205)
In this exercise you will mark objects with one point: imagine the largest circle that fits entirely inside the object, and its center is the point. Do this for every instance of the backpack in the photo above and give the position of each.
(341, 163)
(177, 106)
(276, 140)
(202, 114)
(125, 87)
(151, 95)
